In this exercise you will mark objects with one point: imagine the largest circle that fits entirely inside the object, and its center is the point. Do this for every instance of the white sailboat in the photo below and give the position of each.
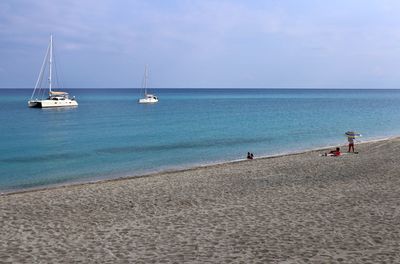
(147, 98)
(54, 98)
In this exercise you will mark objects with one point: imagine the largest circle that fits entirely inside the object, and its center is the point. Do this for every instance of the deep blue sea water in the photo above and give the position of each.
(109, 135)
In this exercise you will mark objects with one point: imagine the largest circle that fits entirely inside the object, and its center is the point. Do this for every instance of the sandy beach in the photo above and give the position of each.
(300, 208)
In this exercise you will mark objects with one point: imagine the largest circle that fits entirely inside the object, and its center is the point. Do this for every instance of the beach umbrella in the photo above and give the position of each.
(352, 134)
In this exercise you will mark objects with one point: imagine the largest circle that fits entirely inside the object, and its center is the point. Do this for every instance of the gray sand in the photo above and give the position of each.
(299, 208)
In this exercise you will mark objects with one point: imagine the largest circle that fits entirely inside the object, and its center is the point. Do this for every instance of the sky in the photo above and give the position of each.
(203, 43)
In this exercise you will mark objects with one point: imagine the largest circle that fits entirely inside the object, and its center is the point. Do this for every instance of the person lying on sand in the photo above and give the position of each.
(334, 153)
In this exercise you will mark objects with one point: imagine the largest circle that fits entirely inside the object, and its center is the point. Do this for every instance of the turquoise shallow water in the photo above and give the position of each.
(110, 135)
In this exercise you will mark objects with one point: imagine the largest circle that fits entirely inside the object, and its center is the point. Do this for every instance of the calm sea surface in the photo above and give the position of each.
(109, 135)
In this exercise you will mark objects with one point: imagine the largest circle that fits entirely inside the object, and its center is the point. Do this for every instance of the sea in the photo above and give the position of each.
(109, 135)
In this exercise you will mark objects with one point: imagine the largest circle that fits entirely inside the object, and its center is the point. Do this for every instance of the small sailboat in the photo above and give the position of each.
(147, 98)
(54, 98)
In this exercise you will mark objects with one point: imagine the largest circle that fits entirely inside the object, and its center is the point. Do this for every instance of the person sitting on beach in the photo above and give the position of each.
(250, 155)
(335, 152)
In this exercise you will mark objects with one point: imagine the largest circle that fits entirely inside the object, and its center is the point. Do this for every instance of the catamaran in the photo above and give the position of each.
(148, 98)
(54, 98)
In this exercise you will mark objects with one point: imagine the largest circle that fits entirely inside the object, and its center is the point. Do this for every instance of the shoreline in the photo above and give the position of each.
(181, 169)
(293, 208)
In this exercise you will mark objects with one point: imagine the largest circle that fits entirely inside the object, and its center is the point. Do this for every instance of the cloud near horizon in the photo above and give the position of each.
(207, 43)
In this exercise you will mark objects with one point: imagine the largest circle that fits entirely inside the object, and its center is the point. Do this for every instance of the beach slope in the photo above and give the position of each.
(300, 208)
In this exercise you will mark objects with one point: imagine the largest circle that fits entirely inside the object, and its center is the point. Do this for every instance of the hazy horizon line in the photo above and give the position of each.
(213, 88)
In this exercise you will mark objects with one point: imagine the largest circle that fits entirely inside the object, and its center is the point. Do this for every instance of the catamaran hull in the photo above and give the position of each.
(147, 101)
(52, 103)
(34, 104)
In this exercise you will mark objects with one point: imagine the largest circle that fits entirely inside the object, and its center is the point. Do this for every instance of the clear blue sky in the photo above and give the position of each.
(204, 43)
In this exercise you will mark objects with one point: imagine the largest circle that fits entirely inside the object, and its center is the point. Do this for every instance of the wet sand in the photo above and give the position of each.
(300, 208)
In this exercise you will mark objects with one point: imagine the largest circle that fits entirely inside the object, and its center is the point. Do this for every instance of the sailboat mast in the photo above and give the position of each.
(50, 61)
(145, 80)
